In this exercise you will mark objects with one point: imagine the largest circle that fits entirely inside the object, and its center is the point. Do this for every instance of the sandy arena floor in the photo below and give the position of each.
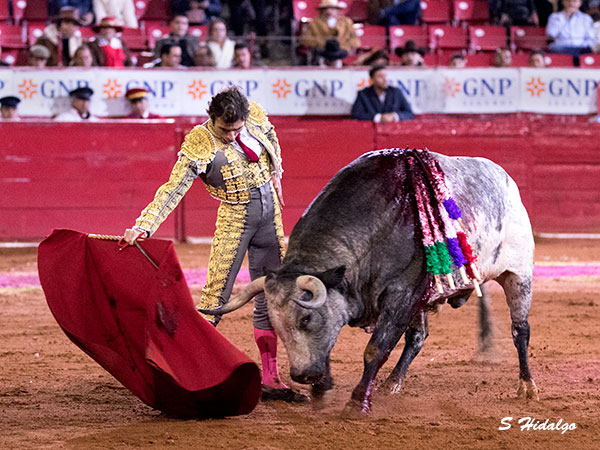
(53, 396)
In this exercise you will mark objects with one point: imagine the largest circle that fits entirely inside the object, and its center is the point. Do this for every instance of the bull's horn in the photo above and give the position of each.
(314, 285)
(236, 302)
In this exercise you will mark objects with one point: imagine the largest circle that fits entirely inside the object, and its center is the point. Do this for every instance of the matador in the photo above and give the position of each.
(236, 154)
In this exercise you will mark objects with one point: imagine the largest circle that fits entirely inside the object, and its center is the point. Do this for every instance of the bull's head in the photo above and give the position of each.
(306, 311)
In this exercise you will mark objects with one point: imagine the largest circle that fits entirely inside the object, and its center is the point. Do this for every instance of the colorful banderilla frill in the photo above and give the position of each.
(443, 232)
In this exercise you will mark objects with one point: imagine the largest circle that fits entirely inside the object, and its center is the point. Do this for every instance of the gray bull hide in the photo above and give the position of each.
(355, 258)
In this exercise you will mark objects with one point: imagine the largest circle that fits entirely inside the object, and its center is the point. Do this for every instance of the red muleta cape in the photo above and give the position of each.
(140, 324)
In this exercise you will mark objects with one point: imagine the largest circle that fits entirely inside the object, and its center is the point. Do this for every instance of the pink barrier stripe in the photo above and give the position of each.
(197, 277)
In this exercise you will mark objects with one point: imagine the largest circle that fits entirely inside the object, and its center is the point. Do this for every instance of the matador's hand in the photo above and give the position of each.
(277, 184)
(131, 235)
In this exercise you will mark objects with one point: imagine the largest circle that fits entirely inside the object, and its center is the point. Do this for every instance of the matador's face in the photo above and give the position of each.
(227, 132)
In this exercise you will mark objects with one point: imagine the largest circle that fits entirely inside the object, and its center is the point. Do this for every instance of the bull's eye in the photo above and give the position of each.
(305, 320)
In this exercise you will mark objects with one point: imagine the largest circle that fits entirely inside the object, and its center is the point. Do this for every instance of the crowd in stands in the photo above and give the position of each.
(331, 33)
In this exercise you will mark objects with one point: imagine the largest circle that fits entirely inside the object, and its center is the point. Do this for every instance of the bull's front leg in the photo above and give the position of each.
(325, 383)
(415, 337)
(385, 337)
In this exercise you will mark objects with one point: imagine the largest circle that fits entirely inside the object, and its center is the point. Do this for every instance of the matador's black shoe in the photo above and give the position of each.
(285, 394)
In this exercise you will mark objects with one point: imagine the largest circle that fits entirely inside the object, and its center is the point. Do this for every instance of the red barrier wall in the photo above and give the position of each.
(97, 177)
(92, 177)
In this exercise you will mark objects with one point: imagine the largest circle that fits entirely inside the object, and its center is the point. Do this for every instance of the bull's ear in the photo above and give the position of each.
(332, 278)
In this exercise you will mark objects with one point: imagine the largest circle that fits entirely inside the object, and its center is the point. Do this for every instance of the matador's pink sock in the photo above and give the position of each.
(266, 341)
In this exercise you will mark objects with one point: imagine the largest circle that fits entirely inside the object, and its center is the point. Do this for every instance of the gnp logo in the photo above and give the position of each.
(27, 89)
(484, 87)
(451, 87)
(574, 89)
(112, 89)
(50, 89)
(281, 88)
(197, 89)
(535, 86)
(158, 89)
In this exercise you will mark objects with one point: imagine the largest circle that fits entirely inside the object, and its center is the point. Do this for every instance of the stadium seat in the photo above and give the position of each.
(589, 61)
(527, 38)
(199, 31)
(34, 32)
(431, 60)
(436, 11)
(156, 10)
(140, 7)
(559, 60)
(486, 37)
(371, 36)
(484, 59)
(155, 32)
(447, 37)
(134, 38)
(18, 8)
(34, 11)
(471, 11)
(4, 11)
(12, 37)
(520, 59)
(358, 10)
(86, 33)
(399, 34)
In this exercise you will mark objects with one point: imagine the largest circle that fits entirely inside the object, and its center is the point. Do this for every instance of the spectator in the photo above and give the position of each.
(62, 34)
(242, 59)
(411, 55)
(380, 102)
(203, 56)
(179, 35)
(170, 56)
(38, 56)
(374, 57)
(80, 107)
(514, 12)
(458, 61)
(122, 10)
(245, 11)
(330, 25)
(8, 108)
(332, 55)
(503, 57)
(86, 13)
(570, 30)
(107, 49)
(394, 12)
(138, 100)
(220, 45)
(83, 57)
(536, 59)
(202, 12)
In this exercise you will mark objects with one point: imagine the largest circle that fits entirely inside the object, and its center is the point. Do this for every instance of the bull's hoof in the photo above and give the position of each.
(355, 410)
(392, 385)
(528, 390)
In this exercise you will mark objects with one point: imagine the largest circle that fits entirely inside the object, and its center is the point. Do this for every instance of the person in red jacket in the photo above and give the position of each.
(107, 49)
(138, 100)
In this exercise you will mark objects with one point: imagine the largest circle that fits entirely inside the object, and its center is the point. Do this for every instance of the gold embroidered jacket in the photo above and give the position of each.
(227, 174)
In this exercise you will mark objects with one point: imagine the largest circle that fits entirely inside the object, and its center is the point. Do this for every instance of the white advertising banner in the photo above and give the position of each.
(309, 91)
(559, 91)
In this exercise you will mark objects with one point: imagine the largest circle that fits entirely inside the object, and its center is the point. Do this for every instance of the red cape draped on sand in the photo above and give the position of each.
(140, 324)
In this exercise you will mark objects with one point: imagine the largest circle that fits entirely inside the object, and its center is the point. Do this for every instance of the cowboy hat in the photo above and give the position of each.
(68, 13)
(330, 4)
(332, 51)
(409, 47)
(108, 22)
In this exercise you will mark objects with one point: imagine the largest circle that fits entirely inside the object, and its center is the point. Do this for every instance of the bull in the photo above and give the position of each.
(354, 258)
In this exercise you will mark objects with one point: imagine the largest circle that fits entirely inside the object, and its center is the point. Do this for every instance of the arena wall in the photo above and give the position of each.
(97, 177)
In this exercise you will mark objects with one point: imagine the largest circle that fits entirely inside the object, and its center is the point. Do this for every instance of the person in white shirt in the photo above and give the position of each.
(221, 47)
(122, 10)
(80, 107)
(570, 30)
